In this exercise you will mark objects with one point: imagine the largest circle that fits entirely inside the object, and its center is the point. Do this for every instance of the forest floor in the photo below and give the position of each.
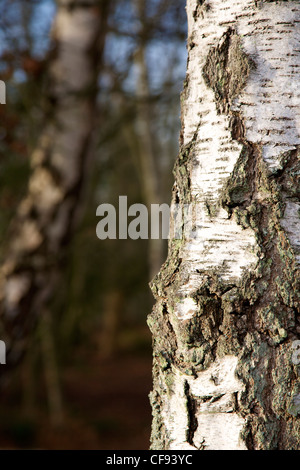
(106, 406)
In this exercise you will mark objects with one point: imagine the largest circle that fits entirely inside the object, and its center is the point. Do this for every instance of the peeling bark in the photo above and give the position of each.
(47, 216)
(228, 298)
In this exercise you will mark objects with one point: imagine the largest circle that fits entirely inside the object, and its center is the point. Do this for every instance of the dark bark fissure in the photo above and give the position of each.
(201, 8)
(192, 420)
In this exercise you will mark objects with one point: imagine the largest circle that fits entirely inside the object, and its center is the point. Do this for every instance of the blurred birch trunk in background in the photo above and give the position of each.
(60, 163)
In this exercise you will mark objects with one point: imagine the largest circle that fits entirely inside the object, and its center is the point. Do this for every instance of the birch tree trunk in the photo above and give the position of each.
(228, 297)
(47, 216)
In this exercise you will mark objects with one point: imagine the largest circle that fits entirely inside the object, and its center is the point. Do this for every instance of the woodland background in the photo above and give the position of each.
(85, 379)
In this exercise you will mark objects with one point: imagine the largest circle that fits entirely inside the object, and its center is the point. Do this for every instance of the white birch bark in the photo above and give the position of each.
(227, 309)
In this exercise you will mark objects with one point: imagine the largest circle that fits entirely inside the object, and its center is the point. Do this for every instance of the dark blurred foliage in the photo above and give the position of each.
(100, 308)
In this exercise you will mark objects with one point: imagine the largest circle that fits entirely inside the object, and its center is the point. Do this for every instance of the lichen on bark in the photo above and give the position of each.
(227, 69)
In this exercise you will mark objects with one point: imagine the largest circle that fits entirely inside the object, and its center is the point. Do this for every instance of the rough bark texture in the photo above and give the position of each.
(46, 217)
(228, 298)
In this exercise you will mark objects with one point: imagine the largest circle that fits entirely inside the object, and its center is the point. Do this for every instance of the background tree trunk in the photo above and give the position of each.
(227, 309)
(48, 214)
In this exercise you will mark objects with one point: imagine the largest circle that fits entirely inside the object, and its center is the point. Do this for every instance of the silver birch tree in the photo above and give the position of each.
(47, 216)
(226, 320)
